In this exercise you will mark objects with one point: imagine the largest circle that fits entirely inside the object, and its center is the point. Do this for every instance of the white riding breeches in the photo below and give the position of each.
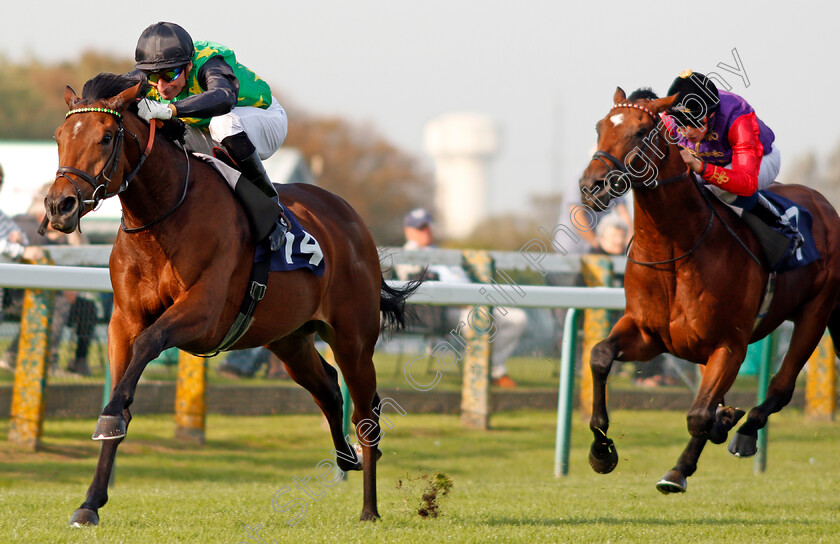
(266, 128)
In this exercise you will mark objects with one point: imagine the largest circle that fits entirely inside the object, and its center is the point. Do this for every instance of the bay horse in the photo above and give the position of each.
(180, 268)
(695, 292)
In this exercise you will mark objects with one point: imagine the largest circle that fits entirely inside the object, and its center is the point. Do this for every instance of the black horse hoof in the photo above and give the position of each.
(672, 482)
(84, 517)
(109, 428)
(603, 457)
(744, 445)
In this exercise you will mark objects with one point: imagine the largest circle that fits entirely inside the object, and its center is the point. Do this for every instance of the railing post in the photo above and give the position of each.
(821, 383)
(566, 391)
(475, 402)
(768, 348)
(597, 272)
(29, 390)
(190, 392)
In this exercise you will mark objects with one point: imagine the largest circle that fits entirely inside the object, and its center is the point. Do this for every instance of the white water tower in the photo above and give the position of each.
(462, 144)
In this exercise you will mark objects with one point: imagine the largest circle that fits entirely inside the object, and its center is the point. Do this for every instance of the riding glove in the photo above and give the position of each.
(149, 109)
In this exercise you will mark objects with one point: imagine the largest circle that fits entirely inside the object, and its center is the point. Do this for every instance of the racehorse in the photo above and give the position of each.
(695, 292)
(180, 268)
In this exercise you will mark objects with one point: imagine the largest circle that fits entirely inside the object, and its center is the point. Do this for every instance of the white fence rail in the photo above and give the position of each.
(79, 268)
(82, 278)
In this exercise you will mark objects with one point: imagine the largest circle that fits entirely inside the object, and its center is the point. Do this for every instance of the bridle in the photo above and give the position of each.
(613, 163)
(101, 181)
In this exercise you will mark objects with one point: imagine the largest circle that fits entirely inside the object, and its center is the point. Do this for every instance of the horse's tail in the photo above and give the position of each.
(392, 303)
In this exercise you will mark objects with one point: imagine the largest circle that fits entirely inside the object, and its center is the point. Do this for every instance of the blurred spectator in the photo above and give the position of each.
(14, 244)
(71, 308)
(611, 236)
(245, 363)
(419, 234)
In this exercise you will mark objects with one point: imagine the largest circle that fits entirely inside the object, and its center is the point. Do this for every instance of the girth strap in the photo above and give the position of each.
(256, 291)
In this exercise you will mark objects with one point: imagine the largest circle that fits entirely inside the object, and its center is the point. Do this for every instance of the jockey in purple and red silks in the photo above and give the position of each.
(728, 145)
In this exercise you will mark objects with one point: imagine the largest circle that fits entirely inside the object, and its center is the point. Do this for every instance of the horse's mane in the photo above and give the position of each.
(107, 85)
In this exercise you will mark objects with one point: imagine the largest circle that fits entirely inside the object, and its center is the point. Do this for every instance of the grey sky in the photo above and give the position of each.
(544, 70)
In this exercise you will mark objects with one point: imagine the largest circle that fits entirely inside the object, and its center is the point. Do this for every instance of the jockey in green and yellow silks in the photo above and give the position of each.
(221, 100)
(252, 91)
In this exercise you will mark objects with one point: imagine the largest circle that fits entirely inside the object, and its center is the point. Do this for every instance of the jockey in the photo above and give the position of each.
(728, 145)
(220, 100)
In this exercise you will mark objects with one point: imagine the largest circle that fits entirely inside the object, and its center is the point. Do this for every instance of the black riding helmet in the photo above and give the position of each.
(698, 98)
(163, 46)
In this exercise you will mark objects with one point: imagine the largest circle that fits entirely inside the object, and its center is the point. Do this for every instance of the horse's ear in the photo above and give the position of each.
(70, 97)
(122, 100)
(662, 104)
(619, 95)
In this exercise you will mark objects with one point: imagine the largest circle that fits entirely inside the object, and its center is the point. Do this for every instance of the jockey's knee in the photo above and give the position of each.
(225, 125)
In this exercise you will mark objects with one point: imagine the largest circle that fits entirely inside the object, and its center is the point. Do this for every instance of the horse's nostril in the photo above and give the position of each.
(67, 205)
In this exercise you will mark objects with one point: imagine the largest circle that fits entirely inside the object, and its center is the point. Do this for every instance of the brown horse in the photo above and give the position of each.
(180, 268)
(693, 291)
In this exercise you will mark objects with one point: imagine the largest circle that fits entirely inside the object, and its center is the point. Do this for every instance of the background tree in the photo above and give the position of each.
(823, 176)
(32, 93)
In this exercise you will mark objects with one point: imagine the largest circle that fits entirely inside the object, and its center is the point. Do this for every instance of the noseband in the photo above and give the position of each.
(101, 181)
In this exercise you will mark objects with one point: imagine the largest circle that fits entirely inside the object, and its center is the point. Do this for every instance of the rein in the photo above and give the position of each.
(101, 181)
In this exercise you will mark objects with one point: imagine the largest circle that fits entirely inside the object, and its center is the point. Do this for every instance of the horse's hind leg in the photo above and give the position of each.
(353, 342)
(627, 343)
(807, 332)
(306, 367)
(721, 371)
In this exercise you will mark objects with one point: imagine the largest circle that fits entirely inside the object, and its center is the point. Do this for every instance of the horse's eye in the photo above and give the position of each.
(107, 138)
(642, 132)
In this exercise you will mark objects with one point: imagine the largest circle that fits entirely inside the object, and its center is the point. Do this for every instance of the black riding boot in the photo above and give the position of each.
(767, 212)
(260, 197)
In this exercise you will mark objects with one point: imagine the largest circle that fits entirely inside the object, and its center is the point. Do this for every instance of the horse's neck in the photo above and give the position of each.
(157, 187)
(669, 216)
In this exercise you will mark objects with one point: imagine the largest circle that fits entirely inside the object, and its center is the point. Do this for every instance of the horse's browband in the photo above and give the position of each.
(97, 110)
(635, 106)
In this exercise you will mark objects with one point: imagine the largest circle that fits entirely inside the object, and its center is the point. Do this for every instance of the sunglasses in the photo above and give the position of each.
(168, 76)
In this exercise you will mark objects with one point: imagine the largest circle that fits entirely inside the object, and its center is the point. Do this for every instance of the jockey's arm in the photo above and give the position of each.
(741, 178)
(219, 87)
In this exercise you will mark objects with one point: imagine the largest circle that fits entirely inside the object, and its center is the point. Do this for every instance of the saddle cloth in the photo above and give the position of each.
(800, 218)
(300, 249)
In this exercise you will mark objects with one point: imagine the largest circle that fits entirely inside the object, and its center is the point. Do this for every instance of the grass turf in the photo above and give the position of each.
(503, 490)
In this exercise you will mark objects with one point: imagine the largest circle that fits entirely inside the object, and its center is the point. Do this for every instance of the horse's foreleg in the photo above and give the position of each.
(806, 335)
(119, 350)
(720, 374)
(625, 342)
(185, 321)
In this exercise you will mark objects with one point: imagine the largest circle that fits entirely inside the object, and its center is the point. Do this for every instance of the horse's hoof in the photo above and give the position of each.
(726, 417)
(369, 515)
(84, 517)
(744, 445)
(109, 428)
(603, 457)
(347, 465)
(672, 482)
